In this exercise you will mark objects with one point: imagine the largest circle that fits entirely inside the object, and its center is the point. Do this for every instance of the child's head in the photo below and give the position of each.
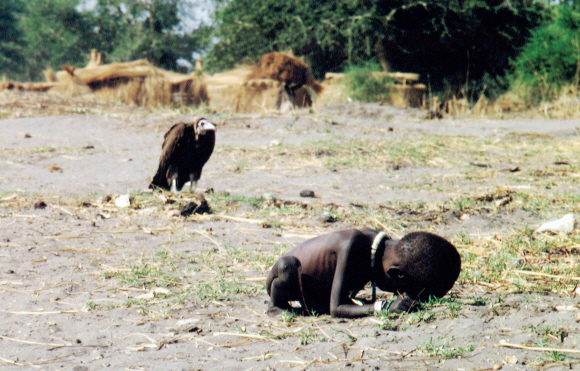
(421, 264)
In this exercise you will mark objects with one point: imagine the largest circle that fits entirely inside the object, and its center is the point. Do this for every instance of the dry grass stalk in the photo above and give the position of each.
(538, 349)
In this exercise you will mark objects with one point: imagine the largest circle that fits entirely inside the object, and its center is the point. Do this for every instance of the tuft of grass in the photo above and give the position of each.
(305, 337)
(388, 325)
(441, 348)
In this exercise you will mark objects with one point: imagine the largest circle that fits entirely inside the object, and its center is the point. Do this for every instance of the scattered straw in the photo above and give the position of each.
(45, 313)
(537, 349)
(249, 336)
(538, 274)
(200, 232)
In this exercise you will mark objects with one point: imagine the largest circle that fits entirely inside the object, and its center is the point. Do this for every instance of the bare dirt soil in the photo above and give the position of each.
(87, 285)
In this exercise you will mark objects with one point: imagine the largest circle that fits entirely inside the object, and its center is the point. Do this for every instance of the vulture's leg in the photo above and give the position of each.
(192, 183)
(173, 185)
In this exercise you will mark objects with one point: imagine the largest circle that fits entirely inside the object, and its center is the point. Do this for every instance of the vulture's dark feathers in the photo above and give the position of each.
(185, 150)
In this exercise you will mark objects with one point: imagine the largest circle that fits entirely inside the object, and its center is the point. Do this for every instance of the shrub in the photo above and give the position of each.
(367, 84)
(551, 58)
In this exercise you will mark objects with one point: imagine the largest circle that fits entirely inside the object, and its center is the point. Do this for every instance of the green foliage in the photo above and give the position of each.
(330, 34)
(367, 84)
(460, 46)
(11, 56)
(56, 34)
(451, 44)
(551, 59)
(37, 34)
(128, 30)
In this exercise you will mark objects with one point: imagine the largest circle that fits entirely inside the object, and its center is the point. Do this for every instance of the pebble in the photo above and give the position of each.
(326, 219)
(195, 208)
(307, 193)
(268, 197)
(518, 263)
(173, 212)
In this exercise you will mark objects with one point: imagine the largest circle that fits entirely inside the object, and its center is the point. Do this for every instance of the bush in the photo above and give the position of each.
(367, 84)
(551, 58)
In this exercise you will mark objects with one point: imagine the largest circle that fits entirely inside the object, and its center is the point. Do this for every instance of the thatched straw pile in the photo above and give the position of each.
(257, 88)
(25, 86)
(136, 82)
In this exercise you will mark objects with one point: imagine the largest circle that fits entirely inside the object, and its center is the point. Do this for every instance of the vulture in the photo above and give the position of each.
(186, 148)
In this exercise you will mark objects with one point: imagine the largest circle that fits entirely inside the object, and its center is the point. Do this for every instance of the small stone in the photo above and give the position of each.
(40, 205)
(497, 366)
(268, 197)
(518, 263)
(326, 219)
(511, 360)
(196, 208)
(27, 135)
(307, 193)
(185, 325)
(173, 213)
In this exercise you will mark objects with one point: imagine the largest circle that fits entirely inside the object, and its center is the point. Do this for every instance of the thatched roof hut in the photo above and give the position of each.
(136, 82)
(257, 88)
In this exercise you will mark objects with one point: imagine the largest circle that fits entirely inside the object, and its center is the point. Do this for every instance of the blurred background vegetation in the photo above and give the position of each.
(463, 48)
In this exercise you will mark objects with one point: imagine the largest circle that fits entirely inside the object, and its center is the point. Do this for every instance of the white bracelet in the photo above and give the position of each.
(378, 306)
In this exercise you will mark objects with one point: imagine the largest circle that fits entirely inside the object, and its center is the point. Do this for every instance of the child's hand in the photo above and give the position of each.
(402, 304)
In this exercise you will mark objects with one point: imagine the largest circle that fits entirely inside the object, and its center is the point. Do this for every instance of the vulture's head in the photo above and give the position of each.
(204, 126)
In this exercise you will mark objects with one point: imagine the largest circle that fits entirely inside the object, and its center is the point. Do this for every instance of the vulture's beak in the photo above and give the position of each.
(205, 125)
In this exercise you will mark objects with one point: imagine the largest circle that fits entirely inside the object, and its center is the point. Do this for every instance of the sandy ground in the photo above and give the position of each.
(61, 311)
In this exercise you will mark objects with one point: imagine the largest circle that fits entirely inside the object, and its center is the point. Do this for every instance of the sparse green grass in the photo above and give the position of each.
(305, 337)
(216, 278)
(535, 155)
(41, 152)
(507, 261)
(554, 332)
(554, 356)
(441, 348)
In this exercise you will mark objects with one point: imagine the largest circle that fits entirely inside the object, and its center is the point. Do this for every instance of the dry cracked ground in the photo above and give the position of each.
(88, 285)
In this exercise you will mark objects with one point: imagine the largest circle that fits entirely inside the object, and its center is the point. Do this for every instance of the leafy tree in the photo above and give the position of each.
(10, 38)
(551, 59)
(134, 29)
(56, 34)
(447, 42)
(329, 33)
(459, 44)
